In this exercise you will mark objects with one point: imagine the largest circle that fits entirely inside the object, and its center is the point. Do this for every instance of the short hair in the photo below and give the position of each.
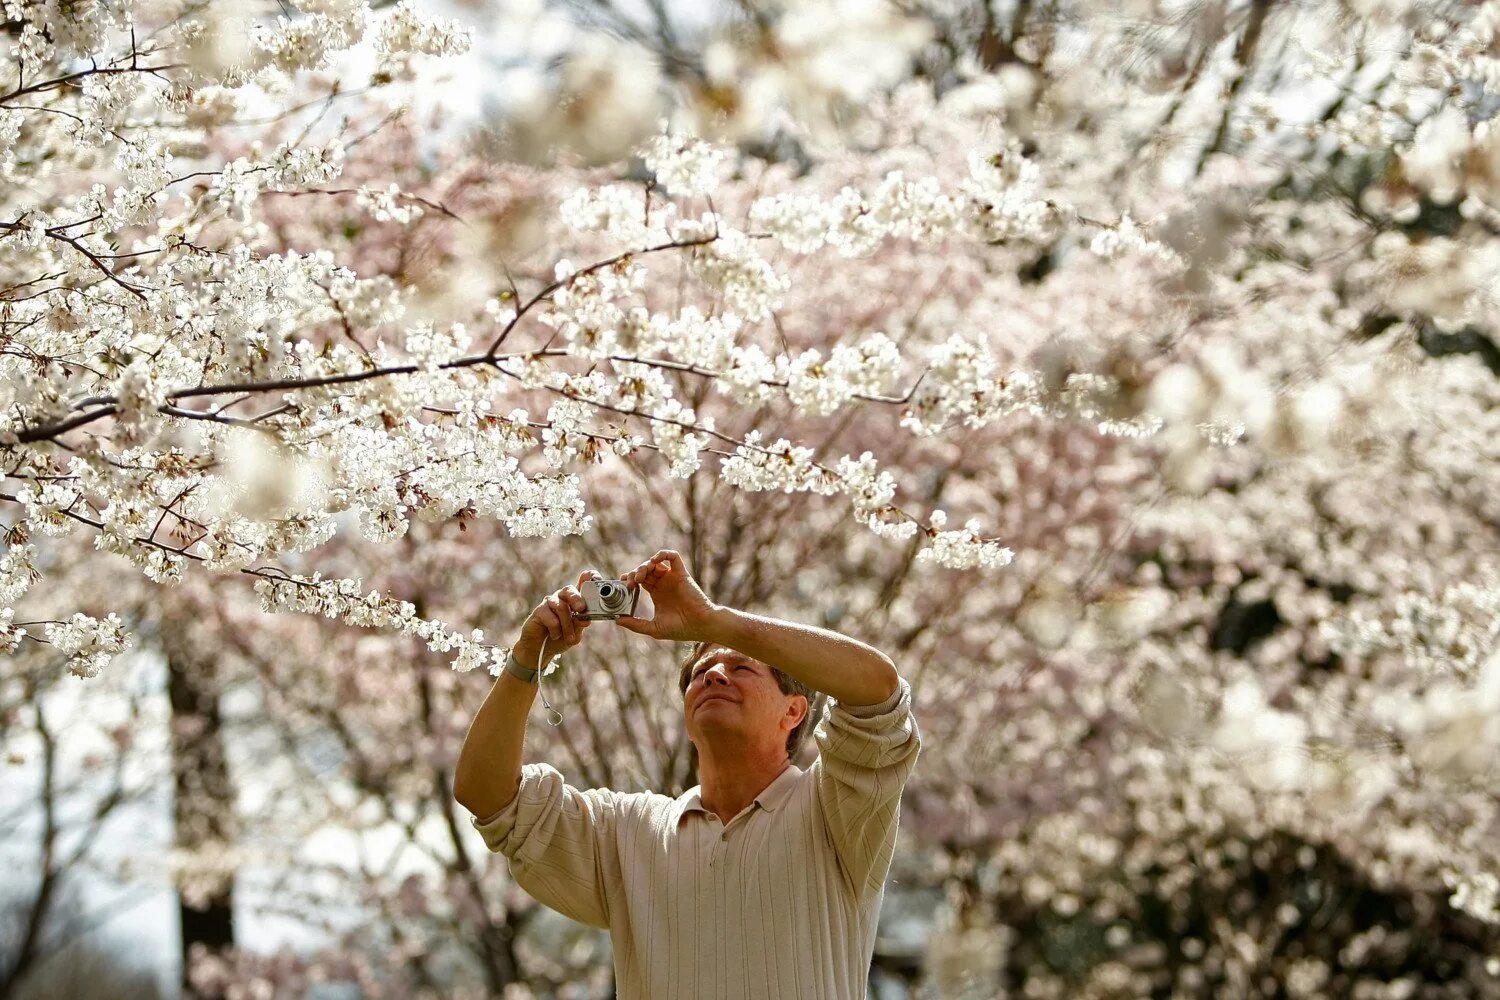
(785, 681)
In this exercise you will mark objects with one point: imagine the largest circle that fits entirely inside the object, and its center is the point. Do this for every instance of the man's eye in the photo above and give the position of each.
(743, 666)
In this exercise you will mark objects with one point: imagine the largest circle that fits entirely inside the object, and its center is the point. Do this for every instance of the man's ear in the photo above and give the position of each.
(797, 720)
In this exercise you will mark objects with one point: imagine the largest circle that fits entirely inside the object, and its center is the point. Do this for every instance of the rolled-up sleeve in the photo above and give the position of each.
(865, 755)
(557, 837)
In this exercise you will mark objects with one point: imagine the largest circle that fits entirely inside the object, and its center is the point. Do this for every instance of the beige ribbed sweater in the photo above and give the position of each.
(778, 904)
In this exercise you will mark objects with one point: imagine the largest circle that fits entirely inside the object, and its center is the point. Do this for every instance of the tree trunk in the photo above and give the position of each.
(203, 812)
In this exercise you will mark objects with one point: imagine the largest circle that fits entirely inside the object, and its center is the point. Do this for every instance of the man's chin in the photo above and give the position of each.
(710, 719)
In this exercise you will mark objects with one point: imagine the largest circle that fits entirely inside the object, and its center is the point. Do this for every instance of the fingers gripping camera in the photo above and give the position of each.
(610, 599)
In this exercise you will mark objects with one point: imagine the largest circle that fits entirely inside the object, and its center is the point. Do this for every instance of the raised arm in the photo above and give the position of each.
(488, 773)
(557, 837)
(845, 669)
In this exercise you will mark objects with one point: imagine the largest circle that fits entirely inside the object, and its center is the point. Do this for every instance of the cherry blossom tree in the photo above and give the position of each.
(1185, 313)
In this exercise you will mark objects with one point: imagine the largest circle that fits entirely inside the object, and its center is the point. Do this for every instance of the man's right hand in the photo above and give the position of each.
(551, 628)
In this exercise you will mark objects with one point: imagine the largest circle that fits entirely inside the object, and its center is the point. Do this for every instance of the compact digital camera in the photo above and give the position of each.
(609, 599)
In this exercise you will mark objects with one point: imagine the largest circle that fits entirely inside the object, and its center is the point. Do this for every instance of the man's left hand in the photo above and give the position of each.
(683, 611)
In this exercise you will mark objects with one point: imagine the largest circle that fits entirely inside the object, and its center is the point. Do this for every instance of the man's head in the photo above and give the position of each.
(726, 692)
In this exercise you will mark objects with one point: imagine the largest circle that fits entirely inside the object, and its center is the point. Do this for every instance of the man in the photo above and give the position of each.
(764, 881)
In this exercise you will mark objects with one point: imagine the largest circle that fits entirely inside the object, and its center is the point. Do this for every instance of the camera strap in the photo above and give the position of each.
(541, 688)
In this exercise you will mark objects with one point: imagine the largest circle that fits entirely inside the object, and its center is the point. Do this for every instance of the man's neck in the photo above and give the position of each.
(730, 777)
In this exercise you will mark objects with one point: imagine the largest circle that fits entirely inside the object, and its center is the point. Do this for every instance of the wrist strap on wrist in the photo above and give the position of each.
(524, 673)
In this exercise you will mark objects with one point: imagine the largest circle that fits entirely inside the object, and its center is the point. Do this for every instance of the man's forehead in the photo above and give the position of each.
(721, 653)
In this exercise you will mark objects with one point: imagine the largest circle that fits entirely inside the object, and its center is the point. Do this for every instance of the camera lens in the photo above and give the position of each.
(612, 596)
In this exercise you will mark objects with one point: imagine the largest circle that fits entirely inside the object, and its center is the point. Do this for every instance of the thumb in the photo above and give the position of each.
(640, 626)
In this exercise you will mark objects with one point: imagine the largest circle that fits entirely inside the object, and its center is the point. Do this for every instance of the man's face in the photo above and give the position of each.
(730, 694)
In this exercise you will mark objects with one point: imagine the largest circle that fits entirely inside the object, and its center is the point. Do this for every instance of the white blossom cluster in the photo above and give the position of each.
(341, 599)
(960, 384)
(566, 435)
(17, 571)
(1000, 200)
(46, 506)
(855, 223)
(729, 264)
(88, 643)
(820, 387)
(1449, 633)
(962, 548)
(705, 341)
(290, 44)
(778, 465)
(388, 205)
(1477, 895)
(619, 211)
(871, 490)
(1438, 277)
(47, 32)
(432, 472)
(431, 347)
(687, 167)
(406, 33)
(677, 432)
(586, 311)
(10, 634)
(1127, 237)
